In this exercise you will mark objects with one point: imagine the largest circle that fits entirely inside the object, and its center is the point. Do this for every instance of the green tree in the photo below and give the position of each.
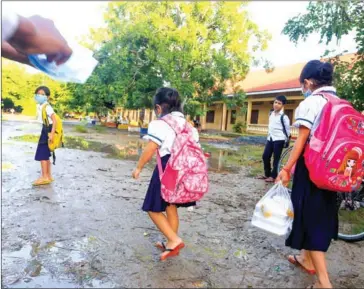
(19, 86)
(192, 46)
(333, 20)
(8, 103)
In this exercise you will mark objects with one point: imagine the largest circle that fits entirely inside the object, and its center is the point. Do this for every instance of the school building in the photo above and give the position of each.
(261, 88)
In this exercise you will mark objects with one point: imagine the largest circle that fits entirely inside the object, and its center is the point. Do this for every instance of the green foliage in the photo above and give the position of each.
(8, 103)
(18, 108)
(19, 86)
(334, 19)
(238, 127)
(80, 128)
(192, 46)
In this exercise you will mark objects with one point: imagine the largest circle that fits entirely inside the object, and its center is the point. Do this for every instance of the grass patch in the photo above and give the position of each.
(26, 138)
(352, 222)
(248, 156)
(6, 166)
(80, 129)
(99, 128)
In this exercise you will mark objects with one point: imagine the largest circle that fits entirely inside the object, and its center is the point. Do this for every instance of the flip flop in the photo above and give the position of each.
(294, 261)
(172, 252)
(41, 183)
(261, 178)
(269, 180)
(161, 246)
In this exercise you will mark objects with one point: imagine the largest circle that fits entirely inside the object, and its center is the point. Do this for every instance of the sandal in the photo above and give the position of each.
(172, 252)
(294, 261)
(41, 182)
(269, 180)
(261, 177)
(161, 246)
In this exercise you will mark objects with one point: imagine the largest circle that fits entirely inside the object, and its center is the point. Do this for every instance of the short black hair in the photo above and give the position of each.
(45, 89)
(282, 99)
(168, 99)
(321, 72)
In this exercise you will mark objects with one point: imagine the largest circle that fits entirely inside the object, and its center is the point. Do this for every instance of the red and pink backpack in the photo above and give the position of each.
(335, 154)
(185, 176)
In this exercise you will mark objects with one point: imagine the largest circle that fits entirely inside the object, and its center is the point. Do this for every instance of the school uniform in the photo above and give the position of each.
(163, 135)
(43, 153)
(275, 142)
(315, 210)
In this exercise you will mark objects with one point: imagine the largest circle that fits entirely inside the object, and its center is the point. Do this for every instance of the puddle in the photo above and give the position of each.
(223, 158)
(64, 264)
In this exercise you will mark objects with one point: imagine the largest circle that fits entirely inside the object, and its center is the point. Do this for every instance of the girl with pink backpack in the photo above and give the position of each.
(315, 211)
(164, 134)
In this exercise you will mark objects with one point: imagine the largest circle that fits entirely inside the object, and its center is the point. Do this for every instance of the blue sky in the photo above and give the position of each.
(270, 15)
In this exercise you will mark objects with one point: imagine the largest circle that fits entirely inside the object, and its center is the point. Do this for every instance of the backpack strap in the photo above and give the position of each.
(54, 157)
(44, 115)
(284, 127)
(170, 120)
(329, 96)
(159, 164)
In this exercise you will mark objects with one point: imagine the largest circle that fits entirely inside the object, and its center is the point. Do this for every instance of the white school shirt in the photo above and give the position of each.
(308, 113)
(49, 111)
(275, 129)
(163, 135)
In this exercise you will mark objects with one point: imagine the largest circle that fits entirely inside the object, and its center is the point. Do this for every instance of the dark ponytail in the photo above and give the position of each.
(168, 99)
(320, 72)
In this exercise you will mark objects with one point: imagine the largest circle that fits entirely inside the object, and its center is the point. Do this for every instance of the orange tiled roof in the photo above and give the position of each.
(284, 77)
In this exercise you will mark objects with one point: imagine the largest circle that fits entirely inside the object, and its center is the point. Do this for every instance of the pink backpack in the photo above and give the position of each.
(335, 154)
(185, 176)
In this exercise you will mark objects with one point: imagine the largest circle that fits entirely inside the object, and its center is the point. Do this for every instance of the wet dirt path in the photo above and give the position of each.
(87, 230)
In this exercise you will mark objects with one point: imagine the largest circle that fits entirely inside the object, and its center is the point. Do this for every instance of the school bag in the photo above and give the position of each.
(185, 176)
(58, 133)
(288, 140)
(334, 155)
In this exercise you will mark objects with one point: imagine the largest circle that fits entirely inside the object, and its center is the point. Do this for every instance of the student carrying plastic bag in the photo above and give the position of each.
(274, 212)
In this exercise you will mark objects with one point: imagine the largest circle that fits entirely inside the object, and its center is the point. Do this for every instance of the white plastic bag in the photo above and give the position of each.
(78, 68)
(274, 212)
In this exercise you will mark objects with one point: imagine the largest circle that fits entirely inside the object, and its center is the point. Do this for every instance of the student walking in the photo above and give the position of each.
(316, 215)
(161, 137)
(278, 135)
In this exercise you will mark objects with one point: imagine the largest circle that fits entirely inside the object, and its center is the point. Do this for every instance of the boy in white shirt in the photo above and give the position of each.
(278, 135)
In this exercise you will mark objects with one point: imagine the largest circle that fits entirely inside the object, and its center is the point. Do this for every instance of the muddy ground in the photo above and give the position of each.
(87, 229)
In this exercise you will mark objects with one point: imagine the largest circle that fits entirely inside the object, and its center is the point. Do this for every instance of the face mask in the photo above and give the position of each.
(307, 93)
(40, 98)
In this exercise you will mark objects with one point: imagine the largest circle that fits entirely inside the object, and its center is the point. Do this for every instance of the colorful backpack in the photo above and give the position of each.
(335, 153)
(58, 133)
(185, 176)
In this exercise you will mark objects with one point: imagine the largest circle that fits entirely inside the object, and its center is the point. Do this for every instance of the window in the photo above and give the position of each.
(254, 117)
(210, 116)
(233, 117)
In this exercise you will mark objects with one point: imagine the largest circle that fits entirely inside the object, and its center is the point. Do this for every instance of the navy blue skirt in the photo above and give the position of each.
(315, 213)
(153, 201)
(43, 153)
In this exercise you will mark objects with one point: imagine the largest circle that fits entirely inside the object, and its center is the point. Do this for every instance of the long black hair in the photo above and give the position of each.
(320, 72)
(168, 99)
(45, 89)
